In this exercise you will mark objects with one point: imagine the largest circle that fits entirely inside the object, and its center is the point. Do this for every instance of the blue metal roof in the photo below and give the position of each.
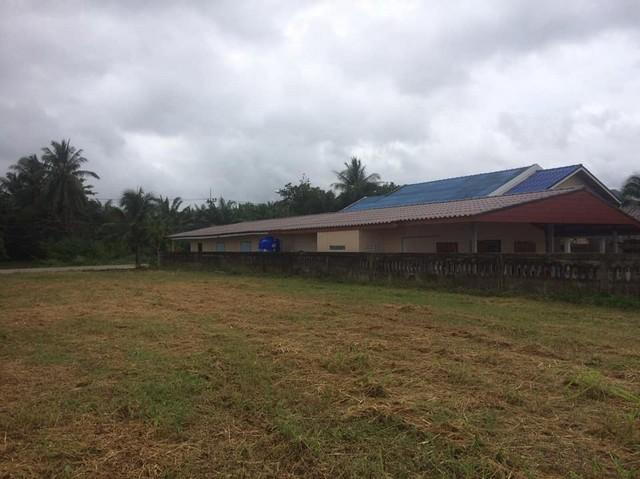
(449, 189)
(543, 179)
(364, 203)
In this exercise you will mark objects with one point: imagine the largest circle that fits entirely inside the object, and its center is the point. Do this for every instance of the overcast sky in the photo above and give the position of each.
(245, 96)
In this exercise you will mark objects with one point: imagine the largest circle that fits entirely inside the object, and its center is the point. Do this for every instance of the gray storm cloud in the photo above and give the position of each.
(242, 97)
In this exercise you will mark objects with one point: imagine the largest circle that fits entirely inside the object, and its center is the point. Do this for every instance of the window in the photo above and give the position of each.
(489, 246)
(524, 247)
(337, 247)
(220, 247)
(199, 247)
(446, 247)
(245, 246)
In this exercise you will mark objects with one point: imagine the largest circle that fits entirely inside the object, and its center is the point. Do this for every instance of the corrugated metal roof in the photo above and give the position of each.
(344, 219)
(632, 210)
(449, 189)
(363, 203)
(544, 179)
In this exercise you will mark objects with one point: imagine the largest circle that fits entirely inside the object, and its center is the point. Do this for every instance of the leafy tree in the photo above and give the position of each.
(304, 199)
(631, 190)
(354, 182)
(137, 206)
(26, 222)
(258, 211)
(66, 190)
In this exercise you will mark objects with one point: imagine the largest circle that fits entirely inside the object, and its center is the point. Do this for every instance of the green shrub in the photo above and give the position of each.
(84, 251)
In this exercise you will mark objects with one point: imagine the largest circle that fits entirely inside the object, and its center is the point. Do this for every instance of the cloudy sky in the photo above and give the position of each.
(244, 96)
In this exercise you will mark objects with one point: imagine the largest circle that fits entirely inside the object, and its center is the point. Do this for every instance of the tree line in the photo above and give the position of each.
(48, 209)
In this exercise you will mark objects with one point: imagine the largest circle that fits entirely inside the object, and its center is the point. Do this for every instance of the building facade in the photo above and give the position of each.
(525, 210)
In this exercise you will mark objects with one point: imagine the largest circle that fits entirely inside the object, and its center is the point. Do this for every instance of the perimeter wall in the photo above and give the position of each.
(542, 273)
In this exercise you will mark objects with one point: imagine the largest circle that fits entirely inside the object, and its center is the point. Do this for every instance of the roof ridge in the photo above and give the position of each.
(466, 176)
(576, 165)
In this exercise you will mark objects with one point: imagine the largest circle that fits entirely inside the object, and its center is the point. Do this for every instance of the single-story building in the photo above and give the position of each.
(520, 210)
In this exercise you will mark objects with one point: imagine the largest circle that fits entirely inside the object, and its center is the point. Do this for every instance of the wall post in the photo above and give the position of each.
(603, 245)
(474, 237)
(550, 235)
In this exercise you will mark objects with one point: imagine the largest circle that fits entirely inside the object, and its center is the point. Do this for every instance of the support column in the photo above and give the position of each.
(474, 238)
(551, 238)
(567, 245)
(615, 242)
(603, 245)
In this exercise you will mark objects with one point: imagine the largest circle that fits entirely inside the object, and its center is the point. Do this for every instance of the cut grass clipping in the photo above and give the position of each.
(591, 384)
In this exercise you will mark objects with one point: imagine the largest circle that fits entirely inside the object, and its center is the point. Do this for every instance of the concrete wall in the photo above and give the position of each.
(349, 239)
(296, 243)
(230, 244)
(371, 241)
(510, 233)
(576, 274)
(403, 239)
(424, 238)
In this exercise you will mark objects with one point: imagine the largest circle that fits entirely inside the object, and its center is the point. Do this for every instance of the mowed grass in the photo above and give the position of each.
(165, 374)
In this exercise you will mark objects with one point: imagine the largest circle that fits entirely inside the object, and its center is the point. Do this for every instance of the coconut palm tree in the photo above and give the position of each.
(631, 190)
(65, 189)
(25, 180)
(354, 182)
(168, 210)
(164, 221)
(227, 210)
(137, 207)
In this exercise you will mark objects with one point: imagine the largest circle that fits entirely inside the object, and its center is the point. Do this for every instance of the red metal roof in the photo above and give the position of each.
(476, 207)
(579, 207)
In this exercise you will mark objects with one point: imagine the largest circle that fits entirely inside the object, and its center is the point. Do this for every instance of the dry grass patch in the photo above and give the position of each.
(163, 374)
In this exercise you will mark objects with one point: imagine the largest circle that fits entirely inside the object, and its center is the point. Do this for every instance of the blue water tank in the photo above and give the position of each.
(269, 244)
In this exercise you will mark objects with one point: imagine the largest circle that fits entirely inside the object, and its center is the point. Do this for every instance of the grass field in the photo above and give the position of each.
(160, 374)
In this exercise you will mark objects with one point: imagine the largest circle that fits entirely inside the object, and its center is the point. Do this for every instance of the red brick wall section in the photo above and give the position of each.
(580, 207)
